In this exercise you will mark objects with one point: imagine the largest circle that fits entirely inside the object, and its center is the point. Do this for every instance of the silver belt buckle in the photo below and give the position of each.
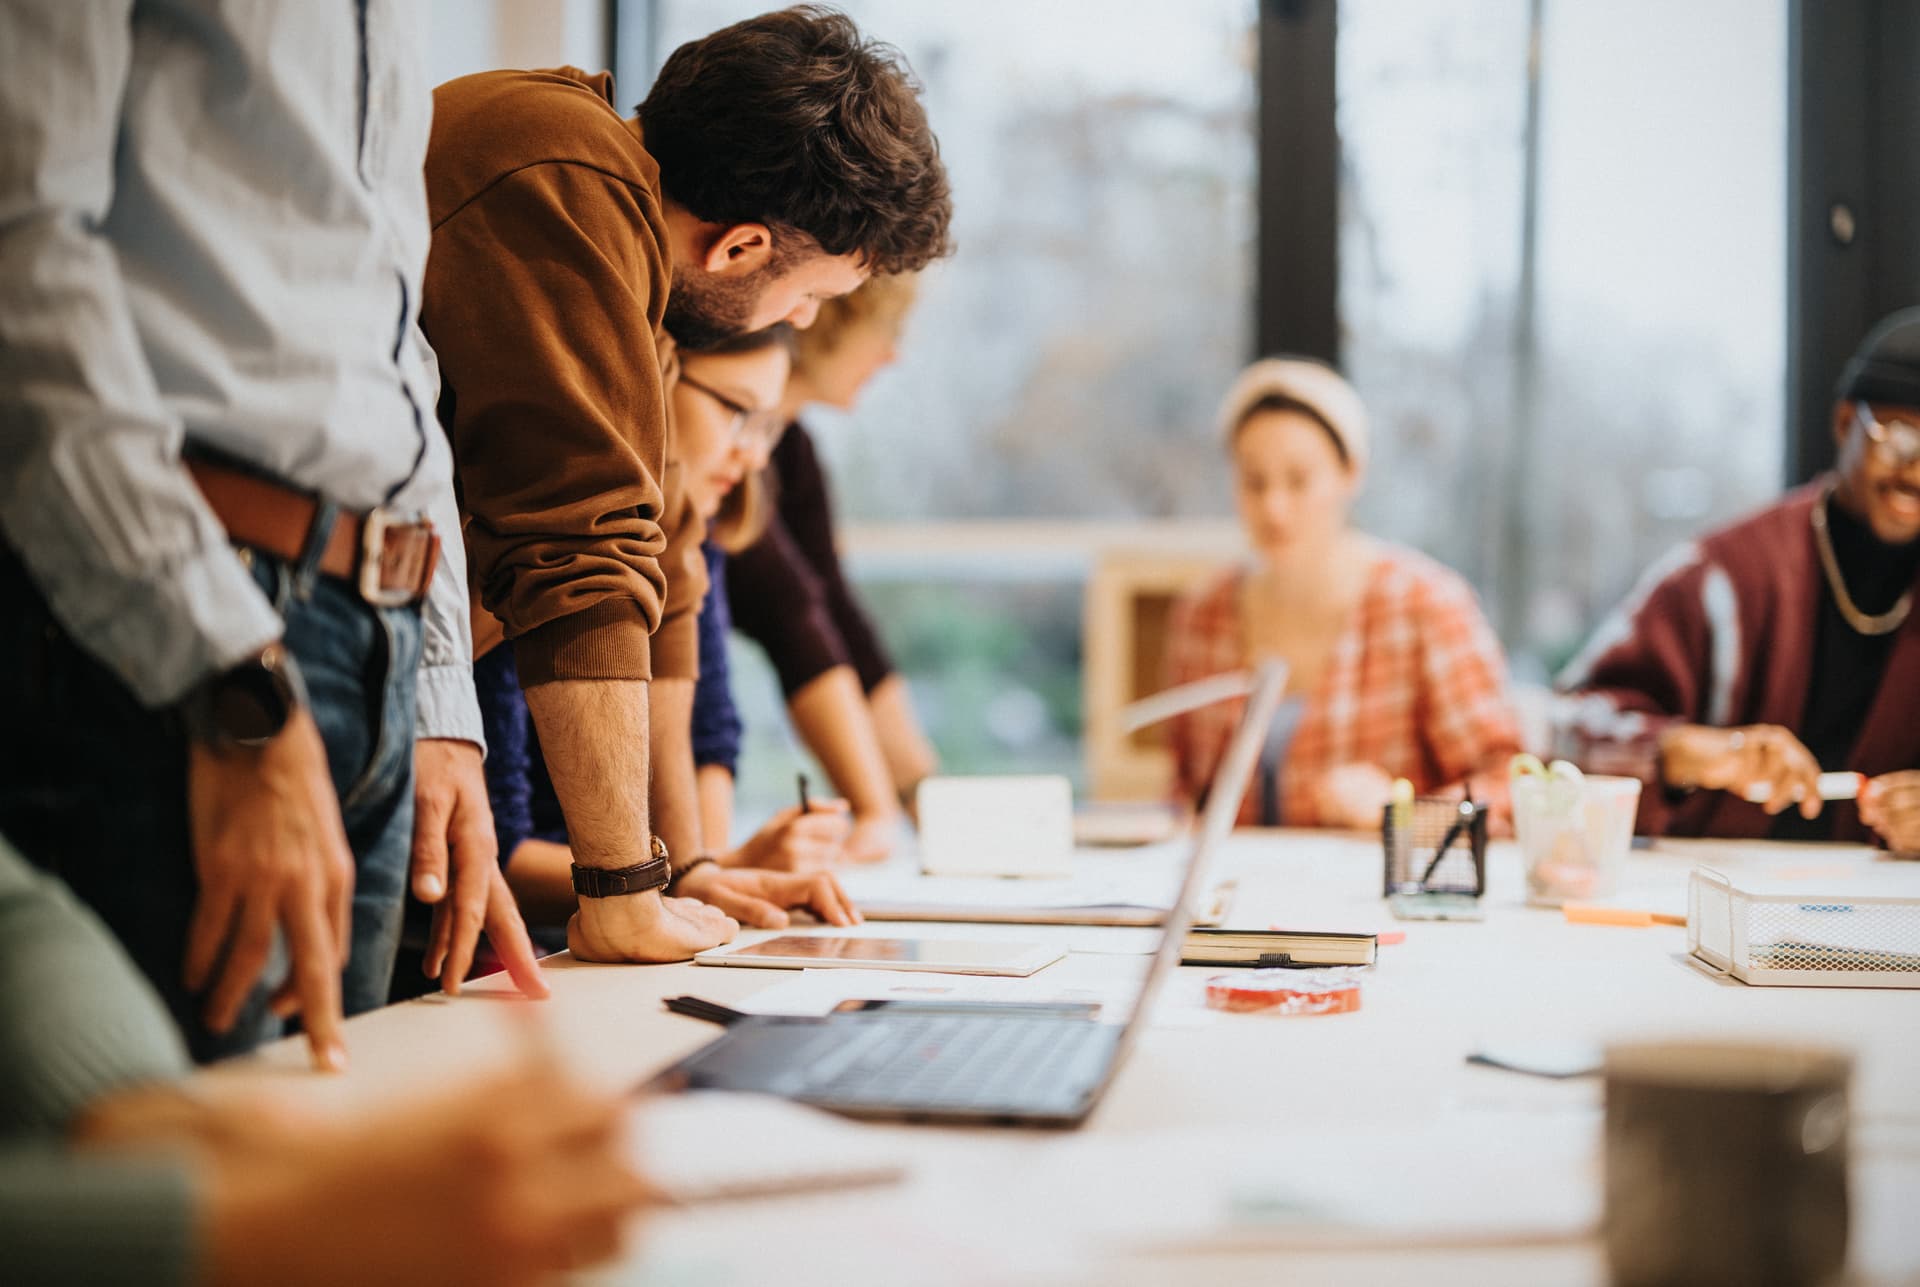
(373, 548)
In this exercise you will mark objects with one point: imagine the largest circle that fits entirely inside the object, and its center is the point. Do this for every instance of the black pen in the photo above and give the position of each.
(1460, 824)
(806, 805)
(696, 1008)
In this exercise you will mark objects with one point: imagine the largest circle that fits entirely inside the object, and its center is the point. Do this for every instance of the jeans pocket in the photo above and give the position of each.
(378, 677)
(271, 575)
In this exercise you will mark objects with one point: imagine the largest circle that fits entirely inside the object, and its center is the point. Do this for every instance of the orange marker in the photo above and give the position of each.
(1595, 914)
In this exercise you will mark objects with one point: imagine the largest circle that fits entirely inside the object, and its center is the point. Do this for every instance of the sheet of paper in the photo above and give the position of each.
(1144, 877)
(688, 1145)
(986, 891)
(813, 992)
(1097, 940)
(1182, 1003)
(1318, 1184)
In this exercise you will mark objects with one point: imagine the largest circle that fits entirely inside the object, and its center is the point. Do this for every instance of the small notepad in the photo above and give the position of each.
(996, 826)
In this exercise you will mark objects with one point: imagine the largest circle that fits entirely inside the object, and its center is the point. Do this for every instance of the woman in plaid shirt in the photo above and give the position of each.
(1394, 671)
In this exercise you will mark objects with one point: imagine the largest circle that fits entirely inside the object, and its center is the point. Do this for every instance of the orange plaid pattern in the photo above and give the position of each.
(1416, 684)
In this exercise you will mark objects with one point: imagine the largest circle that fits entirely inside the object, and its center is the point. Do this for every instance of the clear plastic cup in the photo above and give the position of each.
(1574, 834)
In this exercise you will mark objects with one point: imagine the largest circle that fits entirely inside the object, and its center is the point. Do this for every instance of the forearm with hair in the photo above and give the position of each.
(909, 756)
(594, 734)
(831, 715)
(675, 798)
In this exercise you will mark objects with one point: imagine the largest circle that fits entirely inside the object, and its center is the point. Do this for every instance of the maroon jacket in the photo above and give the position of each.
(1721, 632)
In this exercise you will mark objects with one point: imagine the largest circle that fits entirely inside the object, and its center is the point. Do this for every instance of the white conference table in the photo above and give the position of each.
(1483, 1176)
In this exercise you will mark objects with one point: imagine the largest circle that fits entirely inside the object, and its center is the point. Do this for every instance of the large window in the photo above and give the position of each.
(465, 36)
(1071, 354)
(1561, 291)
(1566, 310)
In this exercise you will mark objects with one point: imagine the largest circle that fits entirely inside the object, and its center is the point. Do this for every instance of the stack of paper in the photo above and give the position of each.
(1136, 890)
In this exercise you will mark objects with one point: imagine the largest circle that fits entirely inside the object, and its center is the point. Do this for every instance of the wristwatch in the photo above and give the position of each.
(248, 705)
(641, 878)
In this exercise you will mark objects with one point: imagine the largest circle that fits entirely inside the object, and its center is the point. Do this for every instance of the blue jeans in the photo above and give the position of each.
(93, 786)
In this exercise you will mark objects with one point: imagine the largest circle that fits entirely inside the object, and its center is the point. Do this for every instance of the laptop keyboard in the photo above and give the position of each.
(958, 1061)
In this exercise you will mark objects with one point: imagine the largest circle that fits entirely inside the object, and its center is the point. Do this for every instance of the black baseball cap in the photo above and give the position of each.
(1886, 366)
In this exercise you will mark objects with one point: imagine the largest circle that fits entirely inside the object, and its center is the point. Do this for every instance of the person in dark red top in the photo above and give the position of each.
(788, 594)
(1752, 660)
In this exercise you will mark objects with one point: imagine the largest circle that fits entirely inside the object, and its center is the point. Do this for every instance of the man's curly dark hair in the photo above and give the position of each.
(795, 120)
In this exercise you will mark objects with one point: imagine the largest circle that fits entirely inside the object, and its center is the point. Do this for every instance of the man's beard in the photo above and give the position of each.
(704, 310)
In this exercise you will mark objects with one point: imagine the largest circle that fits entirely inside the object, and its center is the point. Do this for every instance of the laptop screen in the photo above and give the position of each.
(1228, 788)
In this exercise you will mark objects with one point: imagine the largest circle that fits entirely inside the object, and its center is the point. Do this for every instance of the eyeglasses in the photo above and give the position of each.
(750, 426)
(1897, 440)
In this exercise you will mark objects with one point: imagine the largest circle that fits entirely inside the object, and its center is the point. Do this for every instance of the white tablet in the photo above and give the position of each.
(839, 951)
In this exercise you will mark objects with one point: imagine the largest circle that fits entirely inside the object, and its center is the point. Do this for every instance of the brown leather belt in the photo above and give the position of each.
(389, 561)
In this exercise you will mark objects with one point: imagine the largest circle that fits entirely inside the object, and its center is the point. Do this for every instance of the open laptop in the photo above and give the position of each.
(975, 1063)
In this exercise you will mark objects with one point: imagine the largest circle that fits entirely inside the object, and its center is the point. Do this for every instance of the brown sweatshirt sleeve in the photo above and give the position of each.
(541, 300)
(676, 644)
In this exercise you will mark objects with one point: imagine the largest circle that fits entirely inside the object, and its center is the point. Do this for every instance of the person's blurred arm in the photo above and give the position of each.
(1891, 806)
(806, 511)
(831, 716)
(790, 842)
(69, 1221)
(1196, 628)
(715, 787)
(513, 1179)
(676, 793)
(910, 757)
(1650, 697)
(79, 1024)
(806, 515)
(1469, 727)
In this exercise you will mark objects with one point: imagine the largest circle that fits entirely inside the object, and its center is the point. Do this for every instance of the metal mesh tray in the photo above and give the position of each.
(1803, 939)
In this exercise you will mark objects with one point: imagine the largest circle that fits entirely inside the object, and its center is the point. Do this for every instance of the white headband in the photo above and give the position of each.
(1310, 384)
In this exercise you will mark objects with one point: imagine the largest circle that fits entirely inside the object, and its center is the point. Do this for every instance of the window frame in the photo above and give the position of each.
(1853, 192)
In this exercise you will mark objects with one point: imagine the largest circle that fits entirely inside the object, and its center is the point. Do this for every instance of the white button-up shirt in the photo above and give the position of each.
(213, 228)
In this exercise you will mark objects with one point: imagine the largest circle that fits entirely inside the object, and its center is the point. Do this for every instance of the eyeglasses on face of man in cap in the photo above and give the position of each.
(1896, 437)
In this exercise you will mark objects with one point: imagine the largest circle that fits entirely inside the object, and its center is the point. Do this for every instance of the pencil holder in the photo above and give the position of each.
(1435, 845)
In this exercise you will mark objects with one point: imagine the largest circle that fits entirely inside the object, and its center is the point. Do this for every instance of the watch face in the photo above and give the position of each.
(248, 707)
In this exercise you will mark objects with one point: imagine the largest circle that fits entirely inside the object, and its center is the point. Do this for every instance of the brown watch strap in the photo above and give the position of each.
(640, 878)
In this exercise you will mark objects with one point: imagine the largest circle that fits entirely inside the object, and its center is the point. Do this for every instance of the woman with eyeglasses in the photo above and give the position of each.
(1753, 660)
(788, 593)
(724, 421)
(729, 421)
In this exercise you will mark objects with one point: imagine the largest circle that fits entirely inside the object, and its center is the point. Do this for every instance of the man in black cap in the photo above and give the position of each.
(1748, 662)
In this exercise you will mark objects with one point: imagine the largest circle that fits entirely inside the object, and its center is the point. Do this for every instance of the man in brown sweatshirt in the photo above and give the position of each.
(774, 165)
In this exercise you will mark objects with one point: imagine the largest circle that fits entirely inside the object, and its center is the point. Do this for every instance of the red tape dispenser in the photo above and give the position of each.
(1284, 992)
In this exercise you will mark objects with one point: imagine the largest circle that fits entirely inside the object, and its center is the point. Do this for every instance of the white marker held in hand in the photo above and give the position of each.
(1832, 786)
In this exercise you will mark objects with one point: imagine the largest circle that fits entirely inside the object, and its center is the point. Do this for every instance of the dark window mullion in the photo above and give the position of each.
(1297, 293)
